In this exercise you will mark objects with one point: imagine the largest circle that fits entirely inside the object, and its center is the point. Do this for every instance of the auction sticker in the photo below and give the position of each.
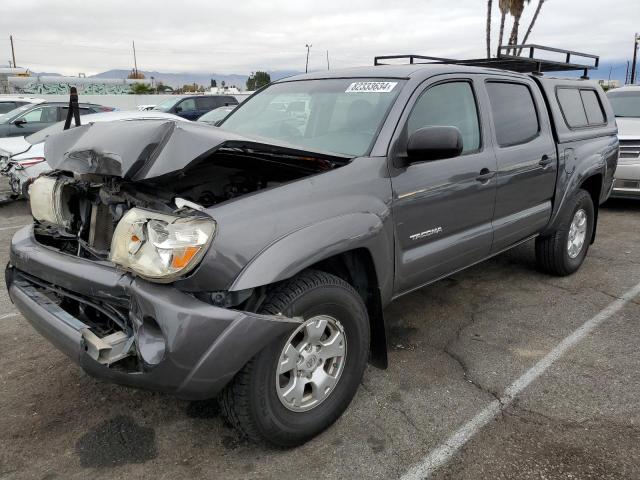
(371, 87)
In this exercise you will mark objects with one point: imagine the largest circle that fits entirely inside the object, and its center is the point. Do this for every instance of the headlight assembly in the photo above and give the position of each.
(160, 247)
(50, 198)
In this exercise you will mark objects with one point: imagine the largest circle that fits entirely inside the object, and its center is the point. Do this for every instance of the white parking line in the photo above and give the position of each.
(13, 227)
(442, 454)
(9, 315)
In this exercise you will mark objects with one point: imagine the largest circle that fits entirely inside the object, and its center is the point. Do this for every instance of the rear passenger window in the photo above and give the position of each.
(448, 105)
(207, 103)
(581, 108)
(514, 113)
(571, 105)
(592, 106)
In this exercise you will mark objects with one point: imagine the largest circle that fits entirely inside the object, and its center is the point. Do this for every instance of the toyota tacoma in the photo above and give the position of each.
(253, 262)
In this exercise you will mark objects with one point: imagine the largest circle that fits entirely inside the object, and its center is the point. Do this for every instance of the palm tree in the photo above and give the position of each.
(489, 7)
(533, 21)
(516, 9)
(504, 6)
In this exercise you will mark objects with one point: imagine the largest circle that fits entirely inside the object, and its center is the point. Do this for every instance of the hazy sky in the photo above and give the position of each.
(240, 36)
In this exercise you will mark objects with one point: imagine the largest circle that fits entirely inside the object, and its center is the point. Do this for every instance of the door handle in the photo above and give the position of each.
(485, 175)
(545, 160)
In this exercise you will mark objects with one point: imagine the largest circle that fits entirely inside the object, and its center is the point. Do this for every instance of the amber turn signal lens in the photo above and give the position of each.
(182, 259)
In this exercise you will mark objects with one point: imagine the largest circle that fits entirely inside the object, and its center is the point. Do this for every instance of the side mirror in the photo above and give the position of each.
(178, 109)
(19, 122)
(434, 143)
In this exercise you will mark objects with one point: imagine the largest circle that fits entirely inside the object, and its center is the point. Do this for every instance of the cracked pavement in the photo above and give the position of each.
(454, 347)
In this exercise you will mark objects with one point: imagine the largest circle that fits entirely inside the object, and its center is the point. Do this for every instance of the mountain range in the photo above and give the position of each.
(188, 78)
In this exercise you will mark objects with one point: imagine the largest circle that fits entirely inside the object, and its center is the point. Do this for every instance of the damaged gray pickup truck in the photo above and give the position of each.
(252, 262)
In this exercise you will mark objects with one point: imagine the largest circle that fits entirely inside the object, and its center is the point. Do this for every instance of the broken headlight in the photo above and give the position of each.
(50, 198)
(160, 247)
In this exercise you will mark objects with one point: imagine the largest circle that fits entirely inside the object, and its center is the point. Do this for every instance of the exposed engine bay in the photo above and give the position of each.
(89, 206)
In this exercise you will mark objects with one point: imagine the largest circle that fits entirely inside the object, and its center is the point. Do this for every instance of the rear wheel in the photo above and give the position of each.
(301, 383)
(563, 251)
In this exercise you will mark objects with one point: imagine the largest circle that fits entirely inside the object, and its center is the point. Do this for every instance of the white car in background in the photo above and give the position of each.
(11, 102)
(626, 105)
(24, 167)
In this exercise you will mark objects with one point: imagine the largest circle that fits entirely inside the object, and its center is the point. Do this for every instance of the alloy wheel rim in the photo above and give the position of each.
(311, 363)
(577, 233)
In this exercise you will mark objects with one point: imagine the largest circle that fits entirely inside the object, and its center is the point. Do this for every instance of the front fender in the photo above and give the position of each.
(302, 248)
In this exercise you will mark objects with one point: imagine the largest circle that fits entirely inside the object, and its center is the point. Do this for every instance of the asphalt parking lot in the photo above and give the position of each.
(455, 347)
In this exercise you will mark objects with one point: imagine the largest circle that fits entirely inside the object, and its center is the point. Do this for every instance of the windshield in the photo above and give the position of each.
(166, 105)
(10, 115)
(335, 115)
(625, 104)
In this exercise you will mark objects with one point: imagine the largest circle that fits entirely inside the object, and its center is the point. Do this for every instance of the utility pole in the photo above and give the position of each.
(327, 59)
(306, 68)
(626, 75)
(135, 61)
(635, 57)
(13, 53)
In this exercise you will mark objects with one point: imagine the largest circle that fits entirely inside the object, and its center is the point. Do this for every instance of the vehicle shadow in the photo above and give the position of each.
(622, 205)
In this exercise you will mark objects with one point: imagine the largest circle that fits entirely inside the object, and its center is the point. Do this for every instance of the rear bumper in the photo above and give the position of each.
(181, 345)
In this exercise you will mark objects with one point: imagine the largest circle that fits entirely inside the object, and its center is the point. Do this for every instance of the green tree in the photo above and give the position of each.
(533, 22)
(258, 80)
(504, 6)
(141, 89)
(516, 9)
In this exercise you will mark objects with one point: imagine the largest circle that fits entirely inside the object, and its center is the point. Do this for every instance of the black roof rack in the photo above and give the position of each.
(510, 58)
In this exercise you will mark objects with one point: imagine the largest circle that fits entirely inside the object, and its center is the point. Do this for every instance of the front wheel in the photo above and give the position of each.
(300, 384)
(563, 251)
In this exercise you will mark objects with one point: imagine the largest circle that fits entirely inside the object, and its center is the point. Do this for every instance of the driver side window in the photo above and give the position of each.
(449, 104)
(188, 105)
(41, 114)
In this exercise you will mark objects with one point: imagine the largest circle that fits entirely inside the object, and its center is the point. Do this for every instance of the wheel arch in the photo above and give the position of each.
(357, 248)
(593, 186)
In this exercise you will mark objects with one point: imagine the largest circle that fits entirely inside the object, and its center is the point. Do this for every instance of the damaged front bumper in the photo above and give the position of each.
(174, 342)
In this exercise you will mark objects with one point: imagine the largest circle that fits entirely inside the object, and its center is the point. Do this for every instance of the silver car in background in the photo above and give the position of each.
(626, 105)
(23, 168)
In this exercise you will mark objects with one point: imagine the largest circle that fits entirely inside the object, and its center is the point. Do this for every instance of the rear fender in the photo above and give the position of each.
(567, 188)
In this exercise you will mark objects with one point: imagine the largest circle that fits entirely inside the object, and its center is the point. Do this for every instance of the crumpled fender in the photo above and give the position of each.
(302, 248)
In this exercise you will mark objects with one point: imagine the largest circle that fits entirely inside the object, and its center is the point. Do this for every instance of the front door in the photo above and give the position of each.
(34, 120)
(443, 209)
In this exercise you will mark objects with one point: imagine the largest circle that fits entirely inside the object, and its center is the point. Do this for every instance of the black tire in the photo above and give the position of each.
(552, 255)
(250, 402)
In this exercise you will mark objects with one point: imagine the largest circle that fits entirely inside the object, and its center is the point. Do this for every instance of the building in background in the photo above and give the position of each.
(59, 85)
(609, 84)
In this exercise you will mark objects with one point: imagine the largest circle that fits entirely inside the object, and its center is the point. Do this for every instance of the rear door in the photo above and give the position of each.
(443, 209)
(206, 103)
(527, 160)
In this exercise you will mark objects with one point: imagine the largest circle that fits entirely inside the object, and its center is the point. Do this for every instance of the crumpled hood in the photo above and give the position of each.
(138, 150)
(628, 128)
